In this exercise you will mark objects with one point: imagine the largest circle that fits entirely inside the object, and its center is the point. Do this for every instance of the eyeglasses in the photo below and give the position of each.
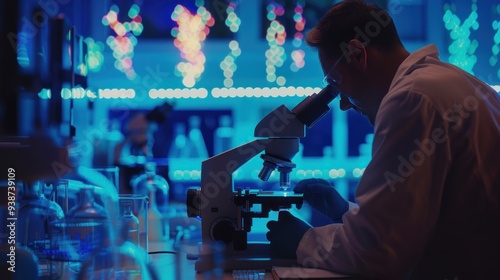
(327, 80)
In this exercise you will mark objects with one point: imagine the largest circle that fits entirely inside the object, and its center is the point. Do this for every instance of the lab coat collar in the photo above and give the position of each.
(413, 61)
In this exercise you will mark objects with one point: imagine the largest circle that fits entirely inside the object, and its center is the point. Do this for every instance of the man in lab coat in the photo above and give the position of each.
(429, 200)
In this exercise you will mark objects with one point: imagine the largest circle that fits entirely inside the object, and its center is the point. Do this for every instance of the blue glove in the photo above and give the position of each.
(323, 197)
(285, 234)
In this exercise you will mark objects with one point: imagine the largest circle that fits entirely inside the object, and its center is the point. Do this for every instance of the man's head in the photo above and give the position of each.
(361, 42)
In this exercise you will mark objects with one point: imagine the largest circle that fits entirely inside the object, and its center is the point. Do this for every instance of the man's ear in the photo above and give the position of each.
(358, 52)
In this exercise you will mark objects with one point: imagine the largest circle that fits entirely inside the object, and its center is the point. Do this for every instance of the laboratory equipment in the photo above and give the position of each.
(196, 144)
(105, 142)
(61, 194)
(90, 239)
(150, 179)
(139, 207)
(179, 146)
(156, 187)
(124, 260)
(87, 207)
(130, 227)
(130, 261)
(223, 135)
(34, 217)
(87, 223)
(226, 212)
(157, 228)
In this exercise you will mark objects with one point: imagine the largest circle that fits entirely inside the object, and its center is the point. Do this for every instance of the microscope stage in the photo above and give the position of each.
(274, 200)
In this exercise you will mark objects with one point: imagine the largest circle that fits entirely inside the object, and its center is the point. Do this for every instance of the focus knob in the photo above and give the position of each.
(222, 229)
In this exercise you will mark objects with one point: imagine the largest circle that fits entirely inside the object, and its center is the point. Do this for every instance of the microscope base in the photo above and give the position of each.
(255, 257)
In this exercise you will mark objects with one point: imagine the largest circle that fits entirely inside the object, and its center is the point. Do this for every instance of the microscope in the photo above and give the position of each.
(226, 213)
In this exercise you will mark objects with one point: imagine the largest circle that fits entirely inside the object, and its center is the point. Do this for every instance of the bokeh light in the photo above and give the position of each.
(191, 31)
(94, 57)
(275, 36)
(462, 49)
(228, 65)
(125, 40)
(298, 55)
(495, 48)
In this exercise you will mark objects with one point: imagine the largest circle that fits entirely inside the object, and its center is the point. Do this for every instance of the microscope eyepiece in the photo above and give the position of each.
(315, 106)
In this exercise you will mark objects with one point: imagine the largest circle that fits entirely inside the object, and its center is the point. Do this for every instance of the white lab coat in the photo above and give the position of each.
(429, 200)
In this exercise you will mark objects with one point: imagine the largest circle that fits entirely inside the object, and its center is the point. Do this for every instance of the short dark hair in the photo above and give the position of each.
(354, 19)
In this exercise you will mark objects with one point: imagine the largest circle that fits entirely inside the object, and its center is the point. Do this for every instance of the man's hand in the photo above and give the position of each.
(285, 234)
(323, 197)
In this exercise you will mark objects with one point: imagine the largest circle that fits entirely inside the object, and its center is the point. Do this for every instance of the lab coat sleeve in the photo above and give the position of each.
(398, 196)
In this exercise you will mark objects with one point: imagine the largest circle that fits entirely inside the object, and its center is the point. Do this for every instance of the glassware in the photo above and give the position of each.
(126, 259)
(89, 233)
(178, 147)
(129, 261)
(139, 208)
(223, 135)
(130, 230)
(105, 145)
(123, 262)
(197, 147)
(156, 225)
(87, 224)
(112, 173)
(34, 217)
(156, 187)
(87, 207)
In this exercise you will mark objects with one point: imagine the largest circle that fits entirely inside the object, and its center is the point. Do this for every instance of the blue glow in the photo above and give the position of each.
(462, 48)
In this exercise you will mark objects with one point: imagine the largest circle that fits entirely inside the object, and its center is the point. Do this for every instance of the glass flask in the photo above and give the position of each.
(156, 187)
(33, 227)
(87, 208)
(87, 223)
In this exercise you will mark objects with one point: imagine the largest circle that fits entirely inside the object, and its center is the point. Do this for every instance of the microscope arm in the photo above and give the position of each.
(226, 215)
(215, 203)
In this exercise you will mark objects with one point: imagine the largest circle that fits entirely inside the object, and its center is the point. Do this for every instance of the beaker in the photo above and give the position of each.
(139, 206)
